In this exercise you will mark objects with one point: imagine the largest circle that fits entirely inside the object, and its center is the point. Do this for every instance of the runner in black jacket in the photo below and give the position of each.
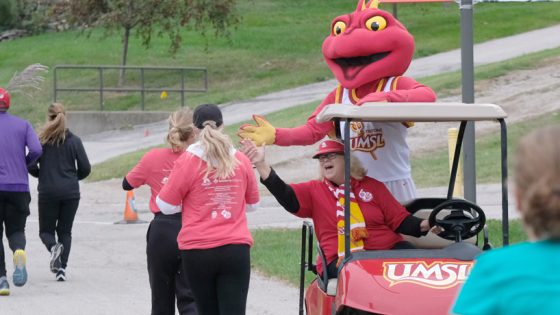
(64, 162)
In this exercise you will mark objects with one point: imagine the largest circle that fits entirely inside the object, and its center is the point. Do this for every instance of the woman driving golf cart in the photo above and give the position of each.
(377, 217)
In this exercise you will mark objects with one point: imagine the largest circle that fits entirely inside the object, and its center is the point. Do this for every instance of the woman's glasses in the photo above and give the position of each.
(326, 157)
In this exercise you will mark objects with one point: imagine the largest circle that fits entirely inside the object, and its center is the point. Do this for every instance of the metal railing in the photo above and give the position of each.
(141, 87)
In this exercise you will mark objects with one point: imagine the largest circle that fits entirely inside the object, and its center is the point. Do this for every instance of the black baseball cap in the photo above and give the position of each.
(207, 112)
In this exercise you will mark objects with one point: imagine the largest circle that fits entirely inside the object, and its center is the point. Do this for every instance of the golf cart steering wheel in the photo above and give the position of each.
(465, 219)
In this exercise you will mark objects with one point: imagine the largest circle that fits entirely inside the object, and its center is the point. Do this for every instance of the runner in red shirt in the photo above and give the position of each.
(377, 217)
(213, 185)
(167, 282)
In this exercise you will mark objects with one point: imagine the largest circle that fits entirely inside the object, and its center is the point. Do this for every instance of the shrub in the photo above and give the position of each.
(33, 15)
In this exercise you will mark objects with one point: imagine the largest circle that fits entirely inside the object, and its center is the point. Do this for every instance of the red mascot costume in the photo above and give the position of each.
(367, 51)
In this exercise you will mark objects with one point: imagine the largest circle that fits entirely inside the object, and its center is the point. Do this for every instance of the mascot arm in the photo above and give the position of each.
(408, 90)
(309, 133)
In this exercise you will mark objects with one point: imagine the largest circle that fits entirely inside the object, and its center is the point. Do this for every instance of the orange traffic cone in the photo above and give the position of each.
(130, 212)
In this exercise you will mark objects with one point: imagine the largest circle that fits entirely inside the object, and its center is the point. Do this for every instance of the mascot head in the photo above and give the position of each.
(367, 45)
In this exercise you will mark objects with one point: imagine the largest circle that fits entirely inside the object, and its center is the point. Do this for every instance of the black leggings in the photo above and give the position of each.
(14, 209)
(167, 281)
(57, 215)
(219, 278)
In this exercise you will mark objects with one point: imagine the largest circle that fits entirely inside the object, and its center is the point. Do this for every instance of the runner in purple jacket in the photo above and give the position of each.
(16, 135)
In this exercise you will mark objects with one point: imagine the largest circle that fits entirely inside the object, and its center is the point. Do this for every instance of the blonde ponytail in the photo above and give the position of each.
(54, 130)
(181, 129)
(217, 151)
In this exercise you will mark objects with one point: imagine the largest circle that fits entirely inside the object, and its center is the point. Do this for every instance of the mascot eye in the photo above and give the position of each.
(338, 28)
(376, 23)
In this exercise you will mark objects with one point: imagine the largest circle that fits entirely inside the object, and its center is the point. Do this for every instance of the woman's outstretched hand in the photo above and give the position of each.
(254, 153)
(256, 156)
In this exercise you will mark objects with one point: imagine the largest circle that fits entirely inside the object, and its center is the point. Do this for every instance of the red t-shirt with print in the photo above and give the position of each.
(382, 214)
(213, 209)
(153, 170)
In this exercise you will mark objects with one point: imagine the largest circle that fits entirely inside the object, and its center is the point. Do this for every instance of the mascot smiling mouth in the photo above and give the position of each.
(360, 61)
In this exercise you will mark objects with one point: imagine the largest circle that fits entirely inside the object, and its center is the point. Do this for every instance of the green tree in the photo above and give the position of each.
(154, 17)
(7, 14)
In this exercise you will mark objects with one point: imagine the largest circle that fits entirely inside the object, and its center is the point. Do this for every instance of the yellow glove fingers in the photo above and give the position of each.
(248, 128)
(261, 121)
(262, 133)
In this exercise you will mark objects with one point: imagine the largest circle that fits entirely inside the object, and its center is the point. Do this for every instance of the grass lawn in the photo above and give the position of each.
(276, 46)
(277, 251)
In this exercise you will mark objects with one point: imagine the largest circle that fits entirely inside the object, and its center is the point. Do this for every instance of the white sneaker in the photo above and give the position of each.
(61, 275)
(56, 252)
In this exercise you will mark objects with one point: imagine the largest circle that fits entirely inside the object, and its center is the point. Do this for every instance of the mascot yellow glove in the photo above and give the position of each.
(262, 133)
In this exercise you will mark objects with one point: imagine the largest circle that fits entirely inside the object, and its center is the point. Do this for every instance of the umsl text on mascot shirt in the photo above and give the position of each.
(368, 52)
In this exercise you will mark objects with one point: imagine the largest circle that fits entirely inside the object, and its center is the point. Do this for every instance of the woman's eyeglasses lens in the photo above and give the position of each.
(327, 157)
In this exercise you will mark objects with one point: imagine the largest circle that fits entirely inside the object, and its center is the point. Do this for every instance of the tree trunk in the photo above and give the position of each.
(124, 54)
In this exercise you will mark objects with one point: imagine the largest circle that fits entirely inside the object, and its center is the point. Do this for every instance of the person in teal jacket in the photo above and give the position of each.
(524, 278)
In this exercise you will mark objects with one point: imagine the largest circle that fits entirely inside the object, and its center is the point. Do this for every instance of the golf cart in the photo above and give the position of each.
(410, 281)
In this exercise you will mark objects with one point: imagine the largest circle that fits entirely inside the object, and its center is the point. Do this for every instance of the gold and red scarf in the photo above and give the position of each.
(358, 231)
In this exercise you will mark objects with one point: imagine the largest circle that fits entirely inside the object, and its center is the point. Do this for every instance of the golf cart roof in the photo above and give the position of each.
(418, 112)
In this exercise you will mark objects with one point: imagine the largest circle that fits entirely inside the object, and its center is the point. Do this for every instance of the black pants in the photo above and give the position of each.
(167, 280)
(57, 216)
(219, 278)
(14, 209)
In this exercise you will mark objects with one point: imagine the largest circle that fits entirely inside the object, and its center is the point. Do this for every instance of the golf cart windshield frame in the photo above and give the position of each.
(417, 112)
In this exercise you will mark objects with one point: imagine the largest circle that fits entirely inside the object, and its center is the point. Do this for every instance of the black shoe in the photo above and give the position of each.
(56, 252)
(61, 275)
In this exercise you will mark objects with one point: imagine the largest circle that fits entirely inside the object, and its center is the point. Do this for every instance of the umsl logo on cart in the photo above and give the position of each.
(436, 275)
